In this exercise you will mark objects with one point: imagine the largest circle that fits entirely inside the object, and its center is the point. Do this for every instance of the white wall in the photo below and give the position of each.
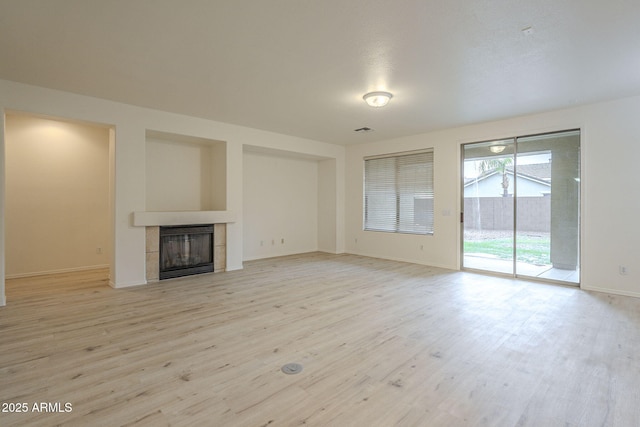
(218, 163)
(438, 249)
(185, 173)
(327, 207)
(129, 181)
(57, 214)
(280, 207)
(3, 298)
(610, 149)
(178, 176)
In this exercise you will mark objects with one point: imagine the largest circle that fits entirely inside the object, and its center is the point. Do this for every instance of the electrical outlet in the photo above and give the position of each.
(99, 251)
(422, 247)
(282, 241)
(261, 242)
(273, 242)
(622, 269)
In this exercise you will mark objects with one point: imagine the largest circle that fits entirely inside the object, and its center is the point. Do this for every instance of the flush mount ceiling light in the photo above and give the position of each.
(377, 99)
(497, 148)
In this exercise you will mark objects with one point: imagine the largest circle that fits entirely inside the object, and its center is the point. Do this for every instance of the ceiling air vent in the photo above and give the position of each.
(363, 130)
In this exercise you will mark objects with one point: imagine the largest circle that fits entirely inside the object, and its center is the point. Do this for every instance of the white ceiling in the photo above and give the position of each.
(300, 67)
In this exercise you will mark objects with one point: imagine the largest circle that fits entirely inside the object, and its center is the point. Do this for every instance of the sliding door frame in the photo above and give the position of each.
(462, 218)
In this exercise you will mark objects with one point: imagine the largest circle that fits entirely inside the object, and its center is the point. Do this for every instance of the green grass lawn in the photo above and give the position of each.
(531, 250)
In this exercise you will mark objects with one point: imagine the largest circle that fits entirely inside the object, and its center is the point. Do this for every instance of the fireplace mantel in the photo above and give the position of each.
(150, 219)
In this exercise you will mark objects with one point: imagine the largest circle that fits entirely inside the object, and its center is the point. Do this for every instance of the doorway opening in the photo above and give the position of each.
(58, 198)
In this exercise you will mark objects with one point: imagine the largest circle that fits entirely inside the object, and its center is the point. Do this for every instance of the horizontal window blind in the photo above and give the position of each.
(398, 193)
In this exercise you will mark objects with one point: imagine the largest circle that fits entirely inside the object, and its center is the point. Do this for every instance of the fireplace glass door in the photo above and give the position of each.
(185, 250)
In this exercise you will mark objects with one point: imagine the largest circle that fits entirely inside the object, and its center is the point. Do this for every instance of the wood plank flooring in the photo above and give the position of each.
(382, 343)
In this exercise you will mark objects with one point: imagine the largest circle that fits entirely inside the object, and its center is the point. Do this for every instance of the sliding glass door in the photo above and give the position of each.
(488, 206)
(521, 206)
(548, 206)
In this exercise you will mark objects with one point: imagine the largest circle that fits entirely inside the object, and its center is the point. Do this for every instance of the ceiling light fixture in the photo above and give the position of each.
(377, 99)
(497, 148)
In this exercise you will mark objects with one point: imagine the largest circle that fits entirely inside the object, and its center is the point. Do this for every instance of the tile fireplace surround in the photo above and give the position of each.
(153, 250)
(153, 220)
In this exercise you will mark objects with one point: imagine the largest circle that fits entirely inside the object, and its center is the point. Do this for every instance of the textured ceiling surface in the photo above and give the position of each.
(300, 67)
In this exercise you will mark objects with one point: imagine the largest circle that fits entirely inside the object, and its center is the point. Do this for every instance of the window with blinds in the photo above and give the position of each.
(398, 193)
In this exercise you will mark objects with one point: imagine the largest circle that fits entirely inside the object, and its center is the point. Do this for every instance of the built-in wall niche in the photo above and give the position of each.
(289, 203)
(185, 173)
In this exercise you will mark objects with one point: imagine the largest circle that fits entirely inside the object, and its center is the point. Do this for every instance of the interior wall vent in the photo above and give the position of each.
(363, 129)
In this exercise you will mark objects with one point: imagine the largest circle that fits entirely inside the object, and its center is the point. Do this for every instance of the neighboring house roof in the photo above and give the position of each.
(480, 177)
(539, 172)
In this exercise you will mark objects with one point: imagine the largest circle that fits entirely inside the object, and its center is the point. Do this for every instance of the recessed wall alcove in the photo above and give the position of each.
(186, 184)
(185, 173)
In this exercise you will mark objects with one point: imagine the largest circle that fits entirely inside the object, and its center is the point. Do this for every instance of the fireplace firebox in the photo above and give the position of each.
(185, 250)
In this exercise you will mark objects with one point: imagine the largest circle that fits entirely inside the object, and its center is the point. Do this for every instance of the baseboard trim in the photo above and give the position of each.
(234, 267)
(410, 261)
(610, 291)
(127, 285)
(61, 271)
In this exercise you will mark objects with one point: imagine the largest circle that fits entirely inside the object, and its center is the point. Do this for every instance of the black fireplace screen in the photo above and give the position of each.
(186, 250)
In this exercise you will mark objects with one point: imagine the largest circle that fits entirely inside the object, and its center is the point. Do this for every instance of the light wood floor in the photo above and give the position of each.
(382, 343)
